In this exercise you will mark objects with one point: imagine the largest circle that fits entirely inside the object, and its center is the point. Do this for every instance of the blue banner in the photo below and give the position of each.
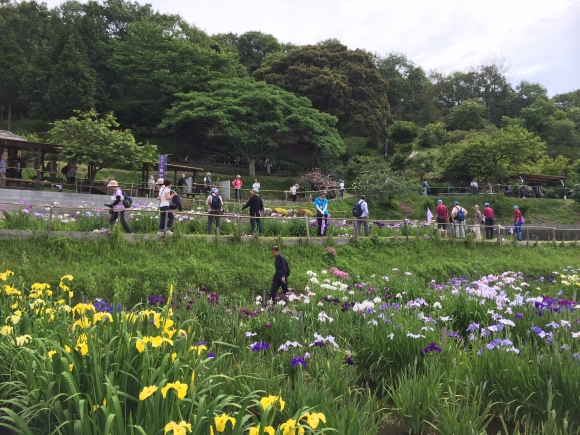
(161, 166)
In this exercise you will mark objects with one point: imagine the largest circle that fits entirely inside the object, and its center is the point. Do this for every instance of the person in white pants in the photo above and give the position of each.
(477, 222)
(459, 214)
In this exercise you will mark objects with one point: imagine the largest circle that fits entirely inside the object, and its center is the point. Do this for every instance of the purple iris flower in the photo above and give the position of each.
(473, 327)
(299, 360)
(431, 348)
(211, 355)
(349, 361)
(519, 316)
(256, 347)
(454, 335)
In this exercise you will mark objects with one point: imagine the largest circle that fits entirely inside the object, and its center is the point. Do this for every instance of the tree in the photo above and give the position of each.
(568, 100)
(433, 135)
(403, 132)
(254, 117)
(469, 115)
(495, 156)
(546, 165)
(253, 47)
(86, 138)
(344, 83)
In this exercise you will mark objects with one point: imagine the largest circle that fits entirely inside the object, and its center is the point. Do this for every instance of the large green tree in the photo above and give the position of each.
(254, 117)
(99, 143)
(344, 83)
(469, 115)
(495, 156)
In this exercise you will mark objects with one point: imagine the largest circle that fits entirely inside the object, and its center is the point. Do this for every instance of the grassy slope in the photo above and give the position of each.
(133, 272)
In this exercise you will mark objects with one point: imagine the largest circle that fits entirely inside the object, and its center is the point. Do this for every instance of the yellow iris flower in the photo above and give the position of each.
(221, 421)
(267, 430)
(271, 401)
(23, 339)
(180, 389)
(291, 428)
(6, 330)
(313, 419)
(147, 391)
(180, 428)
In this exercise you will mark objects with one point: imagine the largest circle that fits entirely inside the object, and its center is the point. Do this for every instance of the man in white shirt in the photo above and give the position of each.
(293, 190)
(207, 183)
(363, 220)
(2, 171)
(256, 186)
(474, 187)
(341, 187)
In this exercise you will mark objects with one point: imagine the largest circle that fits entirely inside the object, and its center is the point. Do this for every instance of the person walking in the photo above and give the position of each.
(425, 188)
(489, 217)
(459, 214)
(477, 221)
(293, 191)
(474, 187)
(2, 170)
(341, 187)
(237, 183)
(256, 205)
(281, 274)
(151, 185)
(518, 221)
(165, 197)
(321, 204)
(71, 175)
(207, 183)
(441, 217)
(256, 186)
(182, 184)
(214, 205)
(117, 207)
(363, 219)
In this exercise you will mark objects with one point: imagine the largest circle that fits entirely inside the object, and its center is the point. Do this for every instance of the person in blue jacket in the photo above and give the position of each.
(321, 204)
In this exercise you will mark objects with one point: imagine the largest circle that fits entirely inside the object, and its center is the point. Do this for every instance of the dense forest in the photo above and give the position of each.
(174, 85)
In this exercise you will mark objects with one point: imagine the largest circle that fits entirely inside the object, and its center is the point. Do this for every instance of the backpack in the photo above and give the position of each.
(287, 267)
(460, 217)
(64, 170)
(357, 210)
(176, 203)
(216, 204)
(127, 201)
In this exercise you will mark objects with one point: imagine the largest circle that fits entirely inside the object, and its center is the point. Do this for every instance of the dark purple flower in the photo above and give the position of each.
(299, 360)
(256, 347)
(473, 326)
(267, 325)
(320, 344)
(519, 316)
(454, 335)
(536, 329)
(395, 306)
(211, 355)
(349, 361)
(431, 348)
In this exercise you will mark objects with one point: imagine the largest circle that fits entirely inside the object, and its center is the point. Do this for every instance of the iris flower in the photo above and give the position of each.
(221, 421)
(432, 347)
(147, 391)
(180, 389)
(180, 428)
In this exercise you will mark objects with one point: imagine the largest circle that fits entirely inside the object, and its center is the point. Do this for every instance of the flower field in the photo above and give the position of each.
(346, 353)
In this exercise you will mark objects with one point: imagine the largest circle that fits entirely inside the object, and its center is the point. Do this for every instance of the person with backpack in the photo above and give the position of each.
(165, 200)
(282, 272)
(321, 204)
(361, 212)
(441, 217)
(237, 183)
(256, 206)
(489, 216)
(214, 205)
(459, 214)
(518, 221)
(117, 206)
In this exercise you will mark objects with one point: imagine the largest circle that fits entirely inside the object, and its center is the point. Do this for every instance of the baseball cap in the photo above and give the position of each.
(440, 202)
(486, 204)
(455, 203)
(515, 206)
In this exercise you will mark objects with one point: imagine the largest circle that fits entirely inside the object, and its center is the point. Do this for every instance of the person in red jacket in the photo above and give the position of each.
(237, 183)
(518, 221)
(441, 216)
(489, 217)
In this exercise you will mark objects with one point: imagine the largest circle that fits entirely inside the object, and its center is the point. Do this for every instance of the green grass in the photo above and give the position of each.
(134, 271)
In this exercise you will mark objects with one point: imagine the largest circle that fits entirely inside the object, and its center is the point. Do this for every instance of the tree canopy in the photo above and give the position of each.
(254, 117)
(99, 143)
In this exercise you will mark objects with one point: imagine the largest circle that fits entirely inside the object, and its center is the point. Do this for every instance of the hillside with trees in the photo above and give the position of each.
(332, 103)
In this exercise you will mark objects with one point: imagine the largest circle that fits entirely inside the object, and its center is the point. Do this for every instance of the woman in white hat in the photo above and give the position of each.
(117, 207)
(207, 183)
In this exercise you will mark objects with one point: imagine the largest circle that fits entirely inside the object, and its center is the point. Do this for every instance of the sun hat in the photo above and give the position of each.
(208, 173)
(486, 204)
(113, 183)
(160, 181)
(214, 190)
(440, 201)
(515, 206)
(254, 192)
(475, 206)
(322, 192)
(455, 203)
(238, 176)
(182, 175)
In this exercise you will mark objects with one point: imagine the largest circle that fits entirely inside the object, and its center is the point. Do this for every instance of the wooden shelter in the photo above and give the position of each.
(538, 178)
(14, 145)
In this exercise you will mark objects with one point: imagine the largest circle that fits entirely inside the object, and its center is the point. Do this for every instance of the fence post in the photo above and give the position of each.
(554, 235)
(50, 212)
(406, 231)
(574, 296)
(527, 235)
(307, 227)
(498, 235)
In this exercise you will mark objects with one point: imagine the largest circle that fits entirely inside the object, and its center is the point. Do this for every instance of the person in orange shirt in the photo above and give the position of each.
(237, 183)
(518, 221)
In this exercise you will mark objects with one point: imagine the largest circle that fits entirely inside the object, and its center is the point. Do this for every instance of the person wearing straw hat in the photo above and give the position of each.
(321, 204)
(117, 207)
(256, 205)
(256, 186)
(214, 205)
(477, 221)
(207, 183)
(518, 221)
(237, 183)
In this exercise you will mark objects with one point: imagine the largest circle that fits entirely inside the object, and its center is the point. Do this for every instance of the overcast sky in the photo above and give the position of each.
(541, 38)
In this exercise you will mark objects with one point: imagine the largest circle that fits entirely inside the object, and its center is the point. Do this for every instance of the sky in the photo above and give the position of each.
(539, 38)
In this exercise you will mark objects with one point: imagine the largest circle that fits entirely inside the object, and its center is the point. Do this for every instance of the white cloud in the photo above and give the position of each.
(541, 38)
